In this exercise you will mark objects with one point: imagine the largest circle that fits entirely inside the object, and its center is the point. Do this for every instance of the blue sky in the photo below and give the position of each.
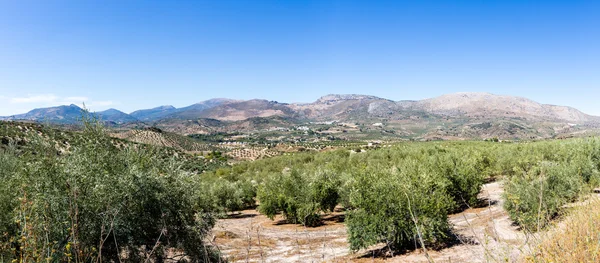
(131, 54)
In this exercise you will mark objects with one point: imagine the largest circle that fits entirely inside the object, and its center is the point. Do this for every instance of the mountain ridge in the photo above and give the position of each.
(468, 107)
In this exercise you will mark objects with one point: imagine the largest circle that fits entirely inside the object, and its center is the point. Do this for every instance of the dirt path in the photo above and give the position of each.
(486, 235)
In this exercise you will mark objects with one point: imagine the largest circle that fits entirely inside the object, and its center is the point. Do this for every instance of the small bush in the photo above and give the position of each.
(230, 196)
(465, 176)
(300, 198)
(396, 208)
(532, 200)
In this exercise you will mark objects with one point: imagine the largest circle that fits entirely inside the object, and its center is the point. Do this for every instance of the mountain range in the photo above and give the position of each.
(460, 109)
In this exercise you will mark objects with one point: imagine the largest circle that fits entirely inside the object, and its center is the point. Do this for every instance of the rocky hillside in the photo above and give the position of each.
(342, 107)
(490, 105)
(237, 111)
(453, 115)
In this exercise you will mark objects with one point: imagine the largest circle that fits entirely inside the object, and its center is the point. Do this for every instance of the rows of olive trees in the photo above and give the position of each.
(100, 203)
(403, 194)
(392, 195)
(543, 177)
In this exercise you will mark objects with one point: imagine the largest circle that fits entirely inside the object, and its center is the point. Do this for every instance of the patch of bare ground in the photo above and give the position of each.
(252, 237)
(483, 234)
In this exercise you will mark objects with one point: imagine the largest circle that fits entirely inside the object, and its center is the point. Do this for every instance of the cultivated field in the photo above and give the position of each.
(484, 234)
(66, 193)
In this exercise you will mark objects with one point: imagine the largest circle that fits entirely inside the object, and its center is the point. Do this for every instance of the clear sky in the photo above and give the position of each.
(131, 54)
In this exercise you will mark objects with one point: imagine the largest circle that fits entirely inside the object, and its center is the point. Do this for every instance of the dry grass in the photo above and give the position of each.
(576, 239)
(225, 235)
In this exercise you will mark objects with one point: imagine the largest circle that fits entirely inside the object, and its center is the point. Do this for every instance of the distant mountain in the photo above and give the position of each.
(165, 112)
(237, 110)
(116, 116)
(458, 115)
(197, 110)
(478, 104)
(154, 113)
(59, 114)
(207, 104)
(346, 107)
(71, 114)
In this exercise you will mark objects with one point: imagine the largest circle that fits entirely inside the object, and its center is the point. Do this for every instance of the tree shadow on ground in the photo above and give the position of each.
(481, 203)
(390, 252)
(335, 218)
(240, 216)
(326, 219)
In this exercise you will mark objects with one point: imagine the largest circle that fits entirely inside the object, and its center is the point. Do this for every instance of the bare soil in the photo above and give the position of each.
(252, 237)
(484, 234)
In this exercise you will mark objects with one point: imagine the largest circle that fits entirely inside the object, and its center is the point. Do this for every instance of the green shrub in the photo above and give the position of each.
(397, 207)
(325, 190)
(533, 199)
(230, 196)
(464, 173)
(299, 197)
(99, 202)
(9, 169)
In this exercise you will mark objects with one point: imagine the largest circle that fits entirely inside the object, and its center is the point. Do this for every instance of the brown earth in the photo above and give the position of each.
(250, 236)
(483, 234)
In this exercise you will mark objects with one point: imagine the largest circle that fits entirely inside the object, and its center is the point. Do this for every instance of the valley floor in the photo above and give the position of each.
(484, 234)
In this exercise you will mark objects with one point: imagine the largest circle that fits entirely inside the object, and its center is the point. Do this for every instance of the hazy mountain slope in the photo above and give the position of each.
(206, 126)
(238, 110)
(204, 105)
(197, 110)
(116, 116)
(344, 106)
(71, 114)
(490, 105)
(59, 114)
(168, 111)
(154, 113)
(456, 113)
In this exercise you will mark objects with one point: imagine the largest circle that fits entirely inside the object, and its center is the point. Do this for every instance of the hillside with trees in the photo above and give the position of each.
(85, 196)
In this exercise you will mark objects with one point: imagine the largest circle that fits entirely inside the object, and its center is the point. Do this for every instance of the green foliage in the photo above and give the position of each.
(438, 178)
(299, 197)
(216, 155)
(536, 194)
(103, 200)
(9, 167)
(376, 188)
(325, 190)
(465, 176)
(99, 203)
(394, 207)
(229, 196)
(312, 184)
